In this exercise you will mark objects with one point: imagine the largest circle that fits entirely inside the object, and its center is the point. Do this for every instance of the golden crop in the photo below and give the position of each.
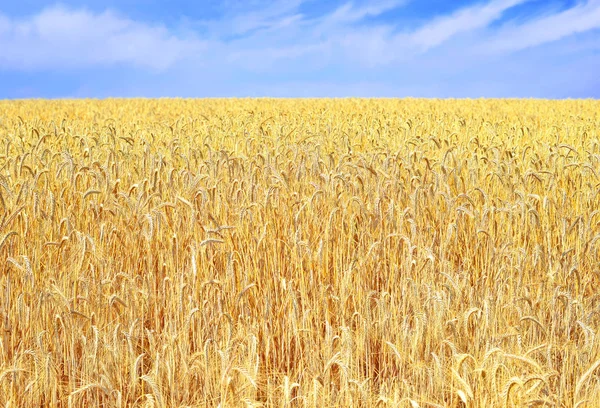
(310, 253)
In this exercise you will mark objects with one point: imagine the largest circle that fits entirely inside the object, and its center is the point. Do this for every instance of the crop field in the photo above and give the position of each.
(300, 253)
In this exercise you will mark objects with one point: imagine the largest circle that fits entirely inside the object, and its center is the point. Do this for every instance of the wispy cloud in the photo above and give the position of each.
(464, 20)
(236, 22)
(350, 13)
(547, 28)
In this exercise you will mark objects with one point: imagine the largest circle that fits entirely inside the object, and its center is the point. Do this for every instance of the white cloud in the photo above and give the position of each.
(63, 38)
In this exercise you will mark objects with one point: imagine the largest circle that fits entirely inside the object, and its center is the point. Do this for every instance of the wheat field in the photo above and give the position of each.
(300, 253)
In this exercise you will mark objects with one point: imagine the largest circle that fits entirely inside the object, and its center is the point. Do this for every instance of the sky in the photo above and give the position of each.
(300, 48)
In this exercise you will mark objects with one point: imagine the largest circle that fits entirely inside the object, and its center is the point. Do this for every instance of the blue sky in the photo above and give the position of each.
(300, 48)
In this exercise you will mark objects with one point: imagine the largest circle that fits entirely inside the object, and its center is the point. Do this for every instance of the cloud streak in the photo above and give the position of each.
(464, 20)
(549, 28)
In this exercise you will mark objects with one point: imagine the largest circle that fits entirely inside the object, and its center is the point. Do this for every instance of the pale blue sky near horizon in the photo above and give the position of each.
(300, 48)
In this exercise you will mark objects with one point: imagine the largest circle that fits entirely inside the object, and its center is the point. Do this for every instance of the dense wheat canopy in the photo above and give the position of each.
(310, 253)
